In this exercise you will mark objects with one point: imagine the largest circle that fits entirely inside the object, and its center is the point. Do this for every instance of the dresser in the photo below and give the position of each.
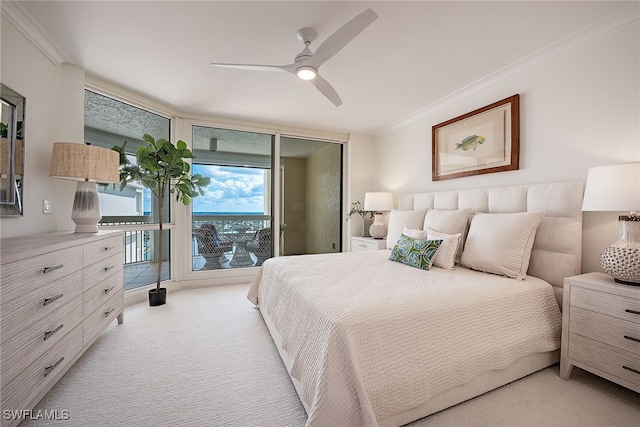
(58, 291)
(367, 244)
(601, 329)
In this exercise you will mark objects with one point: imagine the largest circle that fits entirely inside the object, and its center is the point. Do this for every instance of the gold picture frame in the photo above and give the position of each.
(485, 140)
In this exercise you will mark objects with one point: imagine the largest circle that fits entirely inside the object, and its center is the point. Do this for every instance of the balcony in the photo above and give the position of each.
(140, 268)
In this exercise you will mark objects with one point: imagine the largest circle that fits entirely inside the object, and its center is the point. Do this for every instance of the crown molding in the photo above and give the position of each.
(15, 13)
(599, 29)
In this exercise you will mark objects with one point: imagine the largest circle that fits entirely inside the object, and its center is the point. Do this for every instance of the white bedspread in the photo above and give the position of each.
(369, 338)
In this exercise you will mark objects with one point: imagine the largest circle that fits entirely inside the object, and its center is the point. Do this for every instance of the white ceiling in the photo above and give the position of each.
(413, 55)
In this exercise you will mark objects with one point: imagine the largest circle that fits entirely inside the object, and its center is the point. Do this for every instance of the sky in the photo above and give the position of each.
(232, 189)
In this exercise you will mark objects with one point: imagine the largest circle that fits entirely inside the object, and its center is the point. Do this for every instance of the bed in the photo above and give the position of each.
(368, 341)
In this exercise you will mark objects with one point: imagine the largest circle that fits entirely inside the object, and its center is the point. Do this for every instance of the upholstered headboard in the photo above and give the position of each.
(557, 250)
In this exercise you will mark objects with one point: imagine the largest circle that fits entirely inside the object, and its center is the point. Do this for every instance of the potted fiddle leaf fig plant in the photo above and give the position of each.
(161, 167)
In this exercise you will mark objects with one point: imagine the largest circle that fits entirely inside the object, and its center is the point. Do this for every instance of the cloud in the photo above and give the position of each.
(232, 189)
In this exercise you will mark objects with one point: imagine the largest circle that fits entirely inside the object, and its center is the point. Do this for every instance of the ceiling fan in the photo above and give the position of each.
(306, 63)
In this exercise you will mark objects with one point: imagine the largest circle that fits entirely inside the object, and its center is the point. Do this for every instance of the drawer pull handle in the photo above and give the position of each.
(49, 368)
(53, 268)
(49, 300)
(107, 313)
(109, 268)
(108, 248)
(632, 311)
(635, 371)
(48, 333)
(632, 338)
(107, 290)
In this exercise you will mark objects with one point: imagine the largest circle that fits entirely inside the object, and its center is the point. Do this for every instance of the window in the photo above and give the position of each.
(109, 122)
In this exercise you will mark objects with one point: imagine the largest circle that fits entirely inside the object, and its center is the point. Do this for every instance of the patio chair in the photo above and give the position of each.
(260, 244)
(211, 245)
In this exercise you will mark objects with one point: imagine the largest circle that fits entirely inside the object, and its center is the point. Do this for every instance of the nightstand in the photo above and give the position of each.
(601, 329)
(367, 244)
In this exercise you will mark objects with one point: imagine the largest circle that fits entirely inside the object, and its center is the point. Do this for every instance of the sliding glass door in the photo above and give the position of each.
(237, 223)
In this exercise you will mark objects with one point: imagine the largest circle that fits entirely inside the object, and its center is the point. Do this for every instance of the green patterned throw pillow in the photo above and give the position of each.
(415, 252)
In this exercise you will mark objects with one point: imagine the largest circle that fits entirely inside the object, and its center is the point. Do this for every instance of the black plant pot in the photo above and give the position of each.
(157, 297)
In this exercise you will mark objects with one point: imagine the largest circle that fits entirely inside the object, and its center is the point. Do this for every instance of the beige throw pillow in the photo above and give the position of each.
(501, 243)
(446, 255)
(449, 222)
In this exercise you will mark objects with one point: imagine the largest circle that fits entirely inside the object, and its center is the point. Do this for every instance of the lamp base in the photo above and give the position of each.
(378, 229)
(86, 208)
(625, 282)
(621, 260)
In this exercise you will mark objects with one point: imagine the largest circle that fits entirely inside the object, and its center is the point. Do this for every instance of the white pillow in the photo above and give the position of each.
(414, 234)
(446, 255)
(399, 219)
(449, 222)
(501, 243)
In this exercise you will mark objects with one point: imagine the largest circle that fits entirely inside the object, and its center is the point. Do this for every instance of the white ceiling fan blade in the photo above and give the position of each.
(342, 37)
(291, 68)
(327, 90)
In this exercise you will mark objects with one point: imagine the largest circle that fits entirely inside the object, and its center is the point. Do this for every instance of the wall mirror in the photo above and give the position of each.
(12, 149)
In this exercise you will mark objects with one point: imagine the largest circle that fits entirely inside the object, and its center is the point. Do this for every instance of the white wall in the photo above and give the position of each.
(54, 100)
(360, 171)
(579, 108)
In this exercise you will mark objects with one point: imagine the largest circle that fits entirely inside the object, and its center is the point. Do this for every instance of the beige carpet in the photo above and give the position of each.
(206, 359)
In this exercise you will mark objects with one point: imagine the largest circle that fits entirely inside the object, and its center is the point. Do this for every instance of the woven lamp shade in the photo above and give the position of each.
(80, 162)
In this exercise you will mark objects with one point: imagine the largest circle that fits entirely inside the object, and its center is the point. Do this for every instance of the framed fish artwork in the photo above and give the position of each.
(485, 140)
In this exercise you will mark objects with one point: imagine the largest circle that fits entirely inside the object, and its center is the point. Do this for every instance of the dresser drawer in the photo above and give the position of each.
(19, 313)
(101, 249)
(97, 321)
(102, 269)
(619, 306)
(619, 363)
(20, 392)
(20, 350)
(609, 330)
(20, 277)
(96, 296)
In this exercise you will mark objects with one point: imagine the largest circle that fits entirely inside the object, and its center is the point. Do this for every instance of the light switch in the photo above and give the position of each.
(46, 206)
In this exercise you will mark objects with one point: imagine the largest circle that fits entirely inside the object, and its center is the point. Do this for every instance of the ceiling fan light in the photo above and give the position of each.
(306, 73)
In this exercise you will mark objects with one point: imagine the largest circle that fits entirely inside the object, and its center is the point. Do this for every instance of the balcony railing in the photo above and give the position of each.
(137, 243)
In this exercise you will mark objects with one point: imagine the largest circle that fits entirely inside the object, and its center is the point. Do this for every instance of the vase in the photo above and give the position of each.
(366, 224)
(621, 260)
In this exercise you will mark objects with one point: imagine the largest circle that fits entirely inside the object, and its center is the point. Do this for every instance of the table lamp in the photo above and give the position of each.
(617, 188)
(378, 202)
(88, 165)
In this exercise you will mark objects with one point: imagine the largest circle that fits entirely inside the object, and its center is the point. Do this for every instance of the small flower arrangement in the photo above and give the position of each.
(356, 208)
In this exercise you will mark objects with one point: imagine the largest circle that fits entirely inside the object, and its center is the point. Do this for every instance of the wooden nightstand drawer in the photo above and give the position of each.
(606, 329)
(619, 306)
(367, 244)
(610, 360)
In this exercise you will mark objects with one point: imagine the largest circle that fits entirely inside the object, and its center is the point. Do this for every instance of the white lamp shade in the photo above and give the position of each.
(613, 188)
(378, 201)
